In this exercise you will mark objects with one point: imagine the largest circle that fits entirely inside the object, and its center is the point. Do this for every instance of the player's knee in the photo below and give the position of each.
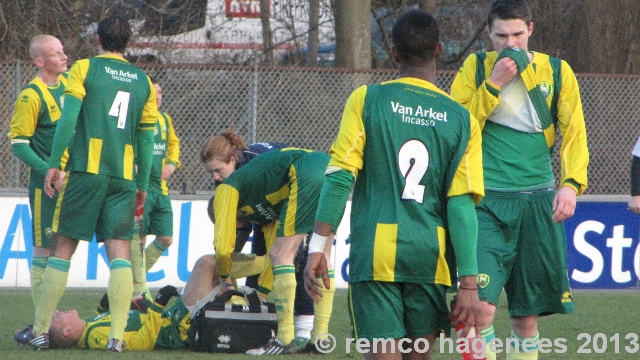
(525, 326)
(166, 241)
(487, 315)
(205, 263)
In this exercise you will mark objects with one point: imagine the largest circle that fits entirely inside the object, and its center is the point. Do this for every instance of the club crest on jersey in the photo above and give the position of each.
(48, 233)
(546, 88)
(483, 280)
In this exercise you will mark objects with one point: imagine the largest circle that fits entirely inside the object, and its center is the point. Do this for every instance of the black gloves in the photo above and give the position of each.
(165, 294)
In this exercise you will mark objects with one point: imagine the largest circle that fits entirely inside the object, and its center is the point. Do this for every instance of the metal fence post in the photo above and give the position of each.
(15, 165)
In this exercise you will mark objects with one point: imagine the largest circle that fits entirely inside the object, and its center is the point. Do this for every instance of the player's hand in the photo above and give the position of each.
(141, 196)
(168, 171)
(564, 204)
(634, 204)
(316, 265)
(468, 310)
(504, 70)
(53, 174)
(60, 181)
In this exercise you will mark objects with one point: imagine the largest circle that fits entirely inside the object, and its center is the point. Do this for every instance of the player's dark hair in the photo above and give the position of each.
(210, 212)
(223, 147)
(509, 10)
(416, 36)
(114, 33)
(153, 79)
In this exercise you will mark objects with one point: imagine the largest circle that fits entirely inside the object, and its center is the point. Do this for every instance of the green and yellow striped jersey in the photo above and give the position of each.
(117, 100)
(166, 149)
(410, 146)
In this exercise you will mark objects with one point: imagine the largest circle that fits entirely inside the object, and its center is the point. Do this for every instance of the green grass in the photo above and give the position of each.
(603, 312)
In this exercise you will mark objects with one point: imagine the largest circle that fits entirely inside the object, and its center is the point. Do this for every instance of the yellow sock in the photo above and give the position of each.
(137, 263)
(119, 292)
(519, 353)
(38, 264)
(489, 334)
(283, 295)
(153, 253)
(52, 287)
(322, 309)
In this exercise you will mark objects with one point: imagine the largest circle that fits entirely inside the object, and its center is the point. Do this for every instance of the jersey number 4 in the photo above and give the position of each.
(413, 161)
(119, 108)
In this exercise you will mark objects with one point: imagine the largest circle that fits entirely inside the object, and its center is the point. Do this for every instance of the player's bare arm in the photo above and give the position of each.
(317, 264)
(564, 204)
(168, 171)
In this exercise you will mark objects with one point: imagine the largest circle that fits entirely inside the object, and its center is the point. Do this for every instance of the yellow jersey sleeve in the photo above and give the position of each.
(25, 116)
(225, 208)
(348, 149)
(150, 112)
(173, 143)
(468, 178)
(574, 153)
(75, 82)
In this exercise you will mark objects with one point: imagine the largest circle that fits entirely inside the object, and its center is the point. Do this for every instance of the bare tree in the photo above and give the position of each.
(314, 17)
(353, 34)
(267, 40)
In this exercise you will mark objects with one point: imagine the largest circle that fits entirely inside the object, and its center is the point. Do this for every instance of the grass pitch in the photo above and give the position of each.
(606, 319)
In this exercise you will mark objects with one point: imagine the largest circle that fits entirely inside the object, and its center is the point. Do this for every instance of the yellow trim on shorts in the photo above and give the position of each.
(128, 162)
(289, 227)
(442, 268)
(353, 318)
(384, 252)
(37, 217)
(93, 160)
(56, 213)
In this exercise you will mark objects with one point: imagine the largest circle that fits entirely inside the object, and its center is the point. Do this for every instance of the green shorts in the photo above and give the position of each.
(392, 310)
(306, 176)
(158, 215)
(100, 204)
(522, 250)
(42, 209)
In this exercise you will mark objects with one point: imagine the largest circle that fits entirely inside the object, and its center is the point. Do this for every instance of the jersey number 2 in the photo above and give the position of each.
(119, 108)
(413, 161)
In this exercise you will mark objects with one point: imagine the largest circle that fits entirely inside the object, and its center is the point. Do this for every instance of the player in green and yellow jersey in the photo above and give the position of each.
(281, 187)
(521, 98)
(31, 131)
(157, 218)
(109, 111)
(416, 155)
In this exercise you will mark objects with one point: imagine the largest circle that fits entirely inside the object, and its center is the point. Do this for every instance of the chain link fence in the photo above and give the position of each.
(303, 107)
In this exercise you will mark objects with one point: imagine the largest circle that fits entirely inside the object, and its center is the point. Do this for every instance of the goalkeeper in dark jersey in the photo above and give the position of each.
(416, 155)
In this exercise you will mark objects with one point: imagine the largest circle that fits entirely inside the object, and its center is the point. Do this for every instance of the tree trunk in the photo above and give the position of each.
(353, 34)
(267, 40)
(313, 42)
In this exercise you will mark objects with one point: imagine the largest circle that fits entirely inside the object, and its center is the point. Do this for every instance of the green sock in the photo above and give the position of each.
(137, 264)
(489, 334)
(323, 308)
(153, 253)
(520, 354)
(38, 264)
(119, 292)
(283, 295)
(52, 287)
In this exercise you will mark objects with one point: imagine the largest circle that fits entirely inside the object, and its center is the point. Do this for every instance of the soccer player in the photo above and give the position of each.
(31, 131)
(110, 112)
(157, 218)
(155, 328)
(521, 98)
(416, 155)
(282, 187)
(227, 153)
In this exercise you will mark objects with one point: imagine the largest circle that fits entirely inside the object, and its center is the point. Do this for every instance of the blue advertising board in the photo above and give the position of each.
(602, 246)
